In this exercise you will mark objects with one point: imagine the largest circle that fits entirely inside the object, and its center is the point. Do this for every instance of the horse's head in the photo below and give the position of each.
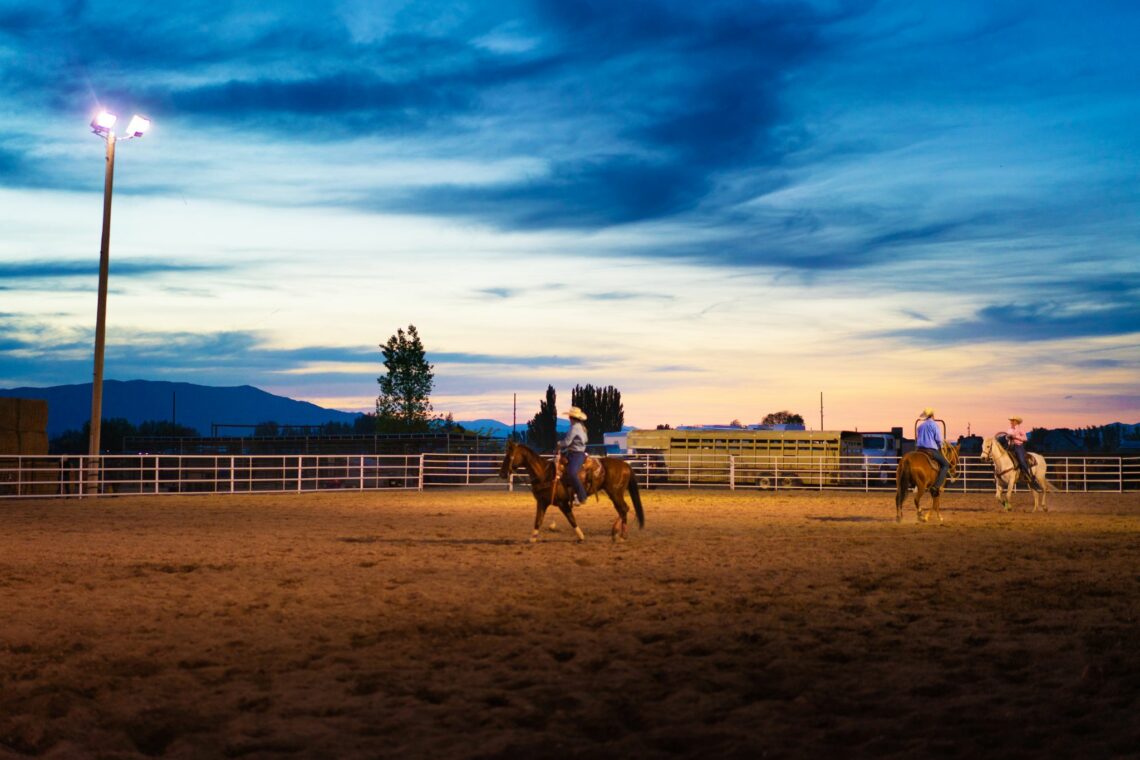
(988, 449)
(509, 460)
(953, 454)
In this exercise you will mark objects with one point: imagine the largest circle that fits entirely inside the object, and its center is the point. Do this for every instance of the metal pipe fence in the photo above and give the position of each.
(75, 476)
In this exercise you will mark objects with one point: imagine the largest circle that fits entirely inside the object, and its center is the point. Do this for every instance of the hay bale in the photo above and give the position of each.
(9, 414)
(9, 442)
(33, 443)
(33, 415)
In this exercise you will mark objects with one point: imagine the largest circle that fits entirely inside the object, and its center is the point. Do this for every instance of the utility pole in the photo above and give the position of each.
(821, 410)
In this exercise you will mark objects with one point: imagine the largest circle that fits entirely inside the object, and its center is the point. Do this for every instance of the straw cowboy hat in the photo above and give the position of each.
(927, 413)
(1015, 418)
(576, 414)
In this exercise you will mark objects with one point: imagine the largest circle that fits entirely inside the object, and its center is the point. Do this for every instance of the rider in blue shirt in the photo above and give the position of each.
(929, 439)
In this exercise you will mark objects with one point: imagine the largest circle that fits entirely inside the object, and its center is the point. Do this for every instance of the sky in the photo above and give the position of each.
(723, 209)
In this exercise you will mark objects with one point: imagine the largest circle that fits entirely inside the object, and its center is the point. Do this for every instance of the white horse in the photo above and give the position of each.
(1006, 473)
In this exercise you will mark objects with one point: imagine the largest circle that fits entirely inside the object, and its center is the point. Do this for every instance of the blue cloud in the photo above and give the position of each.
(47, 269)
(1018, 323)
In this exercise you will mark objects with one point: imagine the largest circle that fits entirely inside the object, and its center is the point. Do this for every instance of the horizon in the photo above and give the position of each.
(563, 422)
(721, 210)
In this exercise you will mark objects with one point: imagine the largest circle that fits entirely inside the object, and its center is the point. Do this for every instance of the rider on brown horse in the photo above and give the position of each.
(929, 441)
(574, 444)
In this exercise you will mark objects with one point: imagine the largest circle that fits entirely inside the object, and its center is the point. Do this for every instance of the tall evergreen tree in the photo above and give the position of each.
(542, 431)
(404, 405)
(603, 408)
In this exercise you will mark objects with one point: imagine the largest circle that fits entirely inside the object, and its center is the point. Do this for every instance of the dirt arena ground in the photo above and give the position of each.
(425, 625)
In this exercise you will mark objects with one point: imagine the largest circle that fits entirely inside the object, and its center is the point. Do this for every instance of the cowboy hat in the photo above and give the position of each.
(576, 414)
(1015, 418)
(927, 413)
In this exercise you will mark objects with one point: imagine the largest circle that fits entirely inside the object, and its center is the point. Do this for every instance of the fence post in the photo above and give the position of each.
(731, 472)
(360, 459)
(300, 470)
(420, 485)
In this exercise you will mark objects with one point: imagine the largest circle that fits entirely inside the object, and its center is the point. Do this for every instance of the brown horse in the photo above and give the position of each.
(610, 475)
(918, 471)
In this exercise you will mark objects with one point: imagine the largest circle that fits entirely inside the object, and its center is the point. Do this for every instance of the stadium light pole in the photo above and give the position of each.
(103, 125)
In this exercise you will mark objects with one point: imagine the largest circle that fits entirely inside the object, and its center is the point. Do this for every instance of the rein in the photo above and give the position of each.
(1001, 450)
(535, 465)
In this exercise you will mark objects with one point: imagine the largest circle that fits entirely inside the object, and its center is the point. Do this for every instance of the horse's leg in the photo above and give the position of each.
(566, 510)
(900, 497)
(539, 513)
(620, 529)
(919, 490)
(936, 501)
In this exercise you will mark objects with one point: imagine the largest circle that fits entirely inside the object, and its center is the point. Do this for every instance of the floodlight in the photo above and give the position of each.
(138, 126)
(102, 123)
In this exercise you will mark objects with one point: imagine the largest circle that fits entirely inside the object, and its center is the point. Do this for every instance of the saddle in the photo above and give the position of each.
(930, 457)
(592, 473)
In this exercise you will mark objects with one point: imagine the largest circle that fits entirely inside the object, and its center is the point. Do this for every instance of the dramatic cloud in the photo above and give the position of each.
(730, 193)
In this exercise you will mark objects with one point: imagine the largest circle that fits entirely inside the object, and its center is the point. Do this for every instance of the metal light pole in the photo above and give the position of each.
(102, 125)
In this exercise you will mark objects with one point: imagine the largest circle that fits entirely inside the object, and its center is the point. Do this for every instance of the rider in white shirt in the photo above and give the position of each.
(574, 444)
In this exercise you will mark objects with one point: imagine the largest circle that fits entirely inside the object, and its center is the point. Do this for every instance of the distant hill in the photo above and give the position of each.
(200, 407)
(496, 429)
(196, 406)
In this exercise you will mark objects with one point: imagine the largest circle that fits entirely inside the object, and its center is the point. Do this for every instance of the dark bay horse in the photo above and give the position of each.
(918, 471)
(613, 476)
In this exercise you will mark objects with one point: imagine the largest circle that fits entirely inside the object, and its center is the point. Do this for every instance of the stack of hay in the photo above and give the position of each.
(23, 426)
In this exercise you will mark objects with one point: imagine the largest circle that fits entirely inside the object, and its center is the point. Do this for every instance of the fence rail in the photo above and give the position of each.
(53, 476)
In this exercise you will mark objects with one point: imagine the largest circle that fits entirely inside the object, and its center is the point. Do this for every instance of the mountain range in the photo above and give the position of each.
(202, 407)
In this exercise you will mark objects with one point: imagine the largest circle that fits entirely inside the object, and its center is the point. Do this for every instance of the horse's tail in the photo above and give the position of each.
(1049, 486)
(635, 497)
(902, 480)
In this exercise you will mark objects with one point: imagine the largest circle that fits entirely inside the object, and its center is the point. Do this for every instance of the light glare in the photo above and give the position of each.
(103, 121)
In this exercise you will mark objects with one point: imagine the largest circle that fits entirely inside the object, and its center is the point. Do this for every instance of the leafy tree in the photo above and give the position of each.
(603, 409)
(267, 429)
(365, 424)
(112, 435)
(166, 429)
(403, 405)
(782, 418)
(542, 431)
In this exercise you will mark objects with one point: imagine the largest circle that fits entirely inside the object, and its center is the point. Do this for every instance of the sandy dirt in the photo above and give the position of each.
(426, 625)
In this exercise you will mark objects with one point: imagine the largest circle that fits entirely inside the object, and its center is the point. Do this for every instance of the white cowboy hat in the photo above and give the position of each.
(576, 414)
(927, 413)
(1015, 418)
